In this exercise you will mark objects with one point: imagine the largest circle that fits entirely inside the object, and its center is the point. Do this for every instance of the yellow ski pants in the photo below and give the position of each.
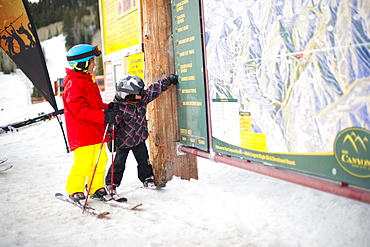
(83, 168)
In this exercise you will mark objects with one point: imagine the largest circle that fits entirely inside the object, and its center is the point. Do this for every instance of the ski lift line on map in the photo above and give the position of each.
(274, 102)
(294, 54)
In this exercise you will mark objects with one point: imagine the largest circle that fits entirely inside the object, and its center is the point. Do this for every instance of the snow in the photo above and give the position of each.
(226, 206)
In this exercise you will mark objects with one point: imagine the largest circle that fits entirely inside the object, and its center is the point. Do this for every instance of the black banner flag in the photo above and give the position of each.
(18, 38)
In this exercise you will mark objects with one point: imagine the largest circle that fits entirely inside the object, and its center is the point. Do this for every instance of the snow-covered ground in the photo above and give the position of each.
(227, 206)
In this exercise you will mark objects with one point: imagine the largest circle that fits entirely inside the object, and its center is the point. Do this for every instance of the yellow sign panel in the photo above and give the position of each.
(136, 65)
(121, 24)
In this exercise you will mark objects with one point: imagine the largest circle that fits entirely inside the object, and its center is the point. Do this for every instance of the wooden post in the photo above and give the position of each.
(162, 112)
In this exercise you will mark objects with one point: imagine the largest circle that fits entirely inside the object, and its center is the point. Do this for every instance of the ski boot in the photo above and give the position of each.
(99, 194)
(110, 191)
(149, 183)
(77, 197)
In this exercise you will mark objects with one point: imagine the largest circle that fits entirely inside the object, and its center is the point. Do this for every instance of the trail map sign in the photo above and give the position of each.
(290, 84)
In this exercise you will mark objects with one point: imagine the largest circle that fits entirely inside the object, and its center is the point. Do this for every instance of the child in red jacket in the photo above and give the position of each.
(85, 122)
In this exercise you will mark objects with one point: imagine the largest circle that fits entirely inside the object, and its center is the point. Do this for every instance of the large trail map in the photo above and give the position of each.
(291, 74)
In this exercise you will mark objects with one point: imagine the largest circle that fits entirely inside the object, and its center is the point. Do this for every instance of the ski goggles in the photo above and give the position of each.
(94, 52)
(139, 91)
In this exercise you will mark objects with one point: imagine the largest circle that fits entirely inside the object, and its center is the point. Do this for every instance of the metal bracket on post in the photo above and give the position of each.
(212, 155)
(178, 148)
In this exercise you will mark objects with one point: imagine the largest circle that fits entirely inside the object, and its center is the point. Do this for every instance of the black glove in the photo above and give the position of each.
(173, 79)
(113, 106)
(110, 116)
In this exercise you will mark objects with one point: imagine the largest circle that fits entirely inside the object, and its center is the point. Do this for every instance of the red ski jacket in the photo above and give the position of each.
(83, 110)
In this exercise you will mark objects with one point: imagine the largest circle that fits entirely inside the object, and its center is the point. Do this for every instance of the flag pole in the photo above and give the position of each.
(50, 97)
(61, 126)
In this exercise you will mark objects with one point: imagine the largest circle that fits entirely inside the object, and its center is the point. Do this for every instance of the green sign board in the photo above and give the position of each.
(189, 66)
(273, 98)
(289, 89)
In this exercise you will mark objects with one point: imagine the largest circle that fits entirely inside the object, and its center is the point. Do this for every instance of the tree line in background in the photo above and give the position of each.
(80, 20)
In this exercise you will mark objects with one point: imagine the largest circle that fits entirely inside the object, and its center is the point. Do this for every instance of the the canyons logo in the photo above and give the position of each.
(352, 151)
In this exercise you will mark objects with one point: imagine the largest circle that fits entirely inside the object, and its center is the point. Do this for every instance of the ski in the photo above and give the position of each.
(118, 198)
(158, 187)
(3, 160)
(87, 209)
(118, 201)
(123, 205)
(5, 168)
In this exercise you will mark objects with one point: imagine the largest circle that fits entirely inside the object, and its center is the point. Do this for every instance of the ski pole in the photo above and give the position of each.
(112, 166)
(96, 165)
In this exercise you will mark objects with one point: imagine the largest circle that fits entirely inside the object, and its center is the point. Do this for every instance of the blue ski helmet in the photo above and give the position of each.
(79, 55)
(130, 84)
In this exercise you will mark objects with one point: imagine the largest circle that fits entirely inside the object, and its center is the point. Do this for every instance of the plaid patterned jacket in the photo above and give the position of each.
(131, 126)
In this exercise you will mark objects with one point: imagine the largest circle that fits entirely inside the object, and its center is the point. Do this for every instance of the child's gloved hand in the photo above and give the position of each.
(173, 79)
(110, 116)
(113, 106)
